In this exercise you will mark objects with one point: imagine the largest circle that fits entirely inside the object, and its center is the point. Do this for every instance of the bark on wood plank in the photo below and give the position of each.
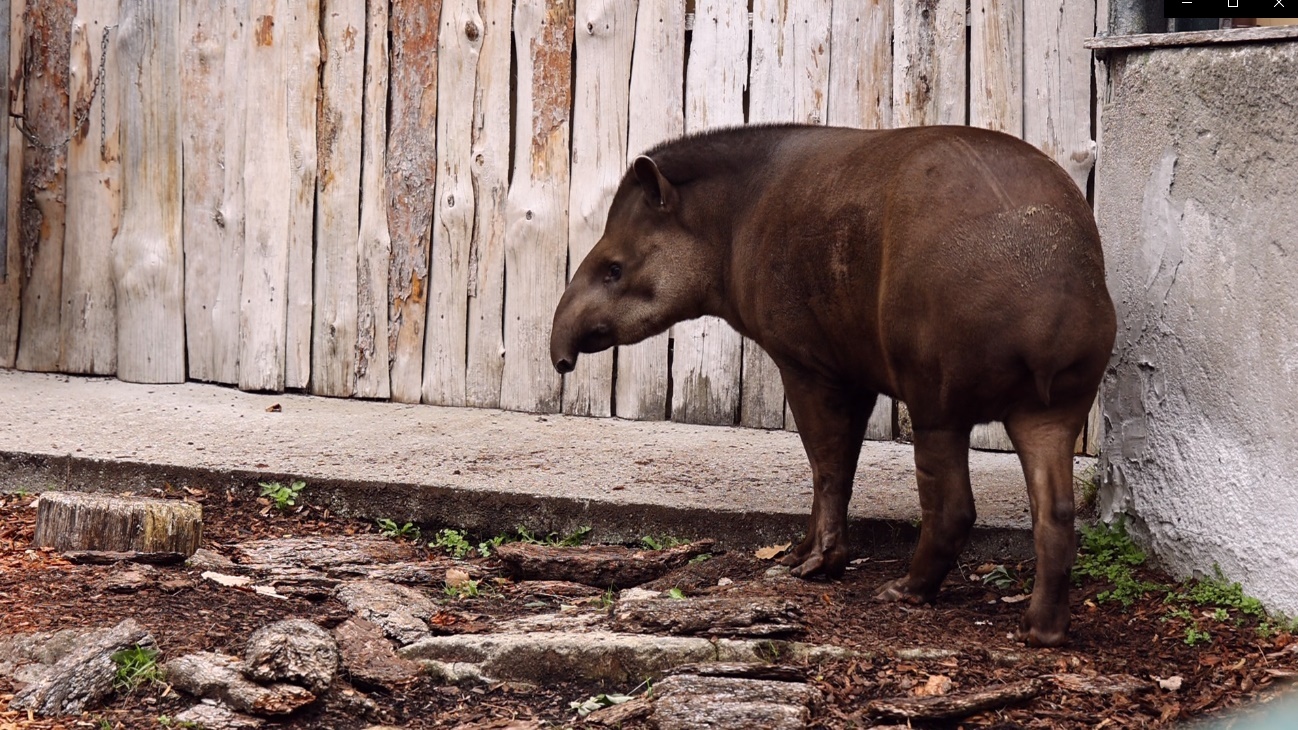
(708, 354)
(600, 566)
(148, 264)
(84, 676)
(712, 616)
(961, 704)
(11, 151)
(1057, 83)
(411, 173)
(928, 82)
(455, 206)
(303, 60)
(657, 104)
(217, 676)
(89, 320)
(43, 210)
(491, 145)
(605, 38)
(213, 118)
(91, 521)
(338, 144)
(267, 184)
(536, 240)
(375, 246)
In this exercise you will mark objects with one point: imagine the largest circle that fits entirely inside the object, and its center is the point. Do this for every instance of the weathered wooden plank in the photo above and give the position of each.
(707, 353)
(491, 144)
(996, 65)
(375, 247)
(213, 118)
(605, 32)
(536, 242)
(338, 149)
(789, 83)
(860, 64)
(657, 104)
(1057, 83)
(411, 173)
(12, 37)
(1094, 423)
(303, 78)
(267, 182)
(88, 320)
(41, 225)
(1260, 34)
(928, 82)
(455, 208)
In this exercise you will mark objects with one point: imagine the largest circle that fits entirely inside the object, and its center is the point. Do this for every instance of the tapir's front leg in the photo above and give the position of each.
(832, 426)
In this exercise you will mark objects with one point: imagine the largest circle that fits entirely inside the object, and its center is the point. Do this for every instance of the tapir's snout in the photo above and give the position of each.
(563, 335)
(565, 365)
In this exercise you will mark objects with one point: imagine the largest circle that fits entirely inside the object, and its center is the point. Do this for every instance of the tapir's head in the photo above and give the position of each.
(647, 272)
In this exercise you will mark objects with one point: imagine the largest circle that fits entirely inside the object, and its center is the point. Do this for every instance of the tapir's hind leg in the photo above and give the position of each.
(947, 507)
(1044, 440)
(832, 426)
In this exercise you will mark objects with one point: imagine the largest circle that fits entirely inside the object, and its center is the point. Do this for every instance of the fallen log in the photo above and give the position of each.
(962, 704)
(109, 557)
(600, 566)
(761, 616)
(77, 521)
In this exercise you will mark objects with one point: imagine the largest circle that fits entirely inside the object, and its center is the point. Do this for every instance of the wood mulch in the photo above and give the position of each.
(962, 643)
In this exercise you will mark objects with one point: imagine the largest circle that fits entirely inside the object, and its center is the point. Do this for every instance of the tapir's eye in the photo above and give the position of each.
(614, 273)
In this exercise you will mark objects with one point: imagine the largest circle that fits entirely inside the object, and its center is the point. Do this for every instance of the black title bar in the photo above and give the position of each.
(1230, 8)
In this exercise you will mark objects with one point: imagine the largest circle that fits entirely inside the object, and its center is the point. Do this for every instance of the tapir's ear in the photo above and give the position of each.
(658, 191)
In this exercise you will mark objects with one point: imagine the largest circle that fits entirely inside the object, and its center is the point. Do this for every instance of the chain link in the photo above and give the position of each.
(82, 118)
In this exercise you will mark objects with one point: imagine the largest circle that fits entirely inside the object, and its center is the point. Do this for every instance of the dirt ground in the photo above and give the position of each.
(41, 591)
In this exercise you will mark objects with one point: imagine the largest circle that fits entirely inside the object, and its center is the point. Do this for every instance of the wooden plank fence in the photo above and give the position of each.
(384, 198)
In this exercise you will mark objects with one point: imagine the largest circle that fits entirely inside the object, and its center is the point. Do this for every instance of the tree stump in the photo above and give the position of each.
(101, 522)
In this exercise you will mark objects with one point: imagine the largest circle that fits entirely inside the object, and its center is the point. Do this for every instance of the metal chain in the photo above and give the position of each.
(83, 117)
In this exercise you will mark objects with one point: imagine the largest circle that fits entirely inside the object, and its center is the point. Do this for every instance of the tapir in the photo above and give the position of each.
(956, 269)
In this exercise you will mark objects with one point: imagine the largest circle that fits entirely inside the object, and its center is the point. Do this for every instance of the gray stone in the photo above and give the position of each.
(83, 676)
(399, 610)
(211, 715)
(219, 677)
(293, 650)
(686, 702)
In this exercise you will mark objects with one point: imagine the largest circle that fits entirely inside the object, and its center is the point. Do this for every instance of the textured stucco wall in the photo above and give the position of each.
(1197, 200)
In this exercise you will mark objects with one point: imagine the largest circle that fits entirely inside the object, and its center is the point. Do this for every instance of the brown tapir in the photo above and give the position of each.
(956, 269)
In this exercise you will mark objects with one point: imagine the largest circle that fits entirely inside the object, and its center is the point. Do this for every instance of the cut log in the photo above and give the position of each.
(712, 616)
(956, 705)
(218, 676)
(76, 521)
(596, 565)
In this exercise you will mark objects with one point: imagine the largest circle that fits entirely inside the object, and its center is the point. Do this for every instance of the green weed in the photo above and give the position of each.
(676, 594)
(701, 558)
(1000, 577)
(135, 666)
(1108, 554)
(466, 589)
(282, 497)
(390, 529)
(660, 543)
(554, 539)
(1195, 636)
(1219, 593)
(454, 542)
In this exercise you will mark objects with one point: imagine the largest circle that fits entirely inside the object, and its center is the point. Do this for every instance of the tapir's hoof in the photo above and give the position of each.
(1044, 636)
(829, 563)
(899, 592)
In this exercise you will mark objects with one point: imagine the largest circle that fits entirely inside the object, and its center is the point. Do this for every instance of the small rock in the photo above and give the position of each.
(399, 610)
(368, 656)
(638, 594)
(1172, 683)
(936, 686)
(218, 677)
(294, 650)
(82, 677)
(724, 582)
(216, 716)
(776, 572)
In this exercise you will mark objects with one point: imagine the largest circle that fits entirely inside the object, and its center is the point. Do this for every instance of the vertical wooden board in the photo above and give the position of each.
(338, 188)
(148, 264)
(707, 353)
(213, 245)
(88, 319)
(375, 247)
(303, 54)
(454, 210)
(860, 64)
(605, 32)
(789, 83)
(267, 183)
(11, 150)
(1095, 423)
(411, 173)
(536, 243)
(491, 145)
(657, 104)
(1057, 83)
(996, 65)
(43, 210)
(928, 81)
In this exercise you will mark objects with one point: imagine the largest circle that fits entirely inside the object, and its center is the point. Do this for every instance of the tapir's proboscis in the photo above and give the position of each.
(956, 269)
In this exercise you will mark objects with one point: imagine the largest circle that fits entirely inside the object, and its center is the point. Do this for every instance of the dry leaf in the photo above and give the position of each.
(456, 577)
(1016, 599)
(1171, 684)
(277, 408)
(767, 553)
(937, 685)
(231, 581)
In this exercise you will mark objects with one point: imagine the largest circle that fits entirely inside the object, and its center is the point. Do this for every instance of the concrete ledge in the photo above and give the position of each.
(482, 470)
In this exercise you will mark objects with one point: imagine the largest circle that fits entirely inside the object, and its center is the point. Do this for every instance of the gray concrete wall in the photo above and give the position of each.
(1197, 199)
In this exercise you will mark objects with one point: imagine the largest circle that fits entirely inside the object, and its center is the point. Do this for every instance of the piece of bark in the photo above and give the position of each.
(600, 566)
(1101, 685)
(761, 616)
(72, 521)
(618, 715)
(369, 658)
(742, 670)
(216, 716)
(83, 677)
(321, 552)
(293, 650)
(724, 703)
(960, 704)
(109, 557)
(400, 611)
(217, 676)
